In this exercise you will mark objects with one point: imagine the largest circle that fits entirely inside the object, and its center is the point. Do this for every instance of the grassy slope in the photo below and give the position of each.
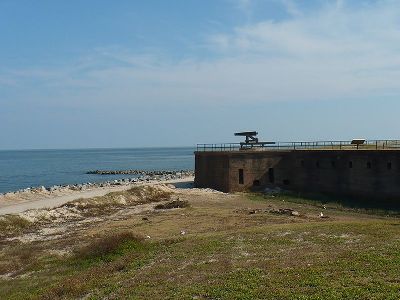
(231, 255)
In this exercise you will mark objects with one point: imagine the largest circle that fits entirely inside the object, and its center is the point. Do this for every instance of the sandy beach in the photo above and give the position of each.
(13, 203)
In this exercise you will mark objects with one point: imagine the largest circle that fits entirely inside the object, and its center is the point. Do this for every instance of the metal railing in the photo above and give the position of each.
(317, 145)
(218, 147)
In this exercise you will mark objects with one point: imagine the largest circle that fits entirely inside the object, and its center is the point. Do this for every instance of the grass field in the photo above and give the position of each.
(219, 247)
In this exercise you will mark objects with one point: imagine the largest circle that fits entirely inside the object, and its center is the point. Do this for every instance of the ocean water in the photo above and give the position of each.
(26, 168)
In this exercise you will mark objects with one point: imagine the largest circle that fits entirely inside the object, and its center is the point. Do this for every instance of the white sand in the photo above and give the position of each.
(17, 204)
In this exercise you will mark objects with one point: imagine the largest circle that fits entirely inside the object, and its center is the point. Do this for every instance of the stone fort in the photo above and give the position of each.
(366, 168)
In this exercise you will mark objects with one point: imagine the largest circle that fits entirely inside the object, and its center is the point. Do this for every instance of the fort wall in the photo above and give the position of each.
(367, 173)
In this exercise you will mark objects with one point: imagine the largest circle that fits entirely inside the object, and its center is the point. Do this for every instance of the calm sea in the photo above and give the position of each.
(26, 168)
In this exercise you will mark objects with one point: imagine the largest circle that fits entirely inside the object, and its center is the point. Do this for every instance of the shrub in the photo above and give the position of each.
(148, 194)
(110, 244)
(11, 224)
(173, 204)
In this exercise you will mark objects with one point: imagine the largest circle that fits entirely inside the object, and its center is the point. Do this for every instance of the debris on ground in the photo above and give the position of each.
(279, 211)
(321, 215)
(284, 211)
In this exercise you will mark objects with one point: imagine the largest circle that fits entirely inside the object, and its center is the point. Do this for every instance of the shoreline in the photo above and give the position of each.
(42, 197)
(143, 177)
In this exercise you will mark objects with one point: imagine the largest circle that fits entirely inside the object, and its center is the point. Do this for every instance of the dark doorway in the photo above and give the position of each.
(241, 176)
(271, 175)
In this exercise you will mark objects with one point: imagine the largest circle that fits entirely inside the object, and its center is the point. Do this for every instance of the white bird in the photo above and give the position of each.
(183, 232)
(321, 214)
(148, 237)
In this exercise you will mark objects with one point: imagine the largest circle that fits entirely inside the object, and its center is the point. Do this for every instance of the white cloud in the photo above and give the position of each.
(291, 7)
(335, 52)
(244, 5)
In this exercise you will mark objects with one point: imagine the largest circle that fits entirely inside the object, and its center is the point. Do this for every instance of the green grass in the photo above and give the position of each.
(289, 261)
(333, 202)
(352, 255)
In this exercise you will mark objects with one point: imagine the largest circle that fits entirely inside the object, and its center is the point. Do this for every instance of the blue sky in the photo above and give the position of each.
(76, 74)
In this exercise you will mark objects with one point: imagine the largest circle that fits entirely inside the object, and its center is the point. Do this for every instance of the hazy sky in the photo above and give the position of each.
(98, 73)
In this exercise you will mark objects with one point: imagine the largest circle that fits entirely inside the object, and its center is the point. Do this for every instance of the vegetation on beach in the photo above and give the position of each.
(13, 224)
(117, 200)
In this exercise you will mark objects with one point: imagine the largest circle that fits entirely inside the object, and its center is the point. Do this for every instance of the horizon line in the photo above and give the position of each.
(96, 148)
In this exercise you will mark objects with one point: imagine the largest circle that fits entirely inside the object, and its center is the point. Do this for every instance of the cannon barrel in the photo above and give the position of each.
(246, 133)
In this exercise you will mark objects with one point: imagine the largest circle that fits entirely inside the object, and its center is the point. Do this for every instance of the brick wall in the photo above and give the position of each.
(367, 173)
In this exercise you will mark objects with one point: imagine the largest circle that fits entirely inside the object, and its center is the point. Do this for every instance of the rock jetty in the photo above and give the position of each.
(143, 176)
(139, 172)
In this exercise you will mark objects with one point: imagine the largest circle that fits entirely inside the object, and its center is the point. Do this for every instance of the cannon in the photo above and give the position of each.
(251, 140)
(250, 136)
